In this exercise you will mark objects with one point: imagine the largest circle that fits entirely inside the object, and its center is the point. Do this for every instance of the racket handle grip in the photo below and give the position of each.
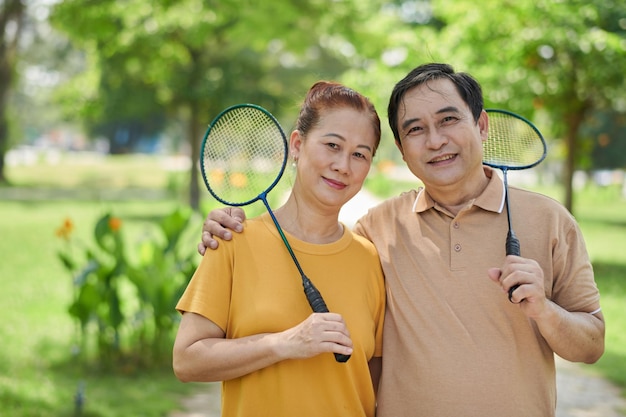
(314, 297)
(318, 305)
(512, 244)
(512, 248)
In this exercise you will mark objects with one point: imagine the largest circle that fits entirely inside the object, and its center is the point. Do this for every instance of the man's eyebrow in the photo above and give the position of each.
(449, 109)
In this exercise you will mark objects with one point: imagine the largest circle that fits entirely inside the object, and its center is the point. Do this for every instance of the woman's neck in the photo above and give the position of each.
(309, 224)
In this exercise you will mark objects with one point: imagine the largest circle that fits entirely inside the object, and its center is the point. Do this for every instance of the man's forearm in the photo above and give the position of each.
(574, 336)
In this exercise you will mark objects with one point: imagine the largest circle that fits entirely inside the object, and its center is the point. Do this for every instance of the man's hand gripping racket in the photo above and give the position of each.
(513, 143)
(244, 154)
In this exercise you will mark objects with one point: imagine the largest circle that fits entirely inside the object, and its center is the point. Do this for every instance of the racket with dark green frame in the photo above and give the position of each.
(243, 156)
(514, 143)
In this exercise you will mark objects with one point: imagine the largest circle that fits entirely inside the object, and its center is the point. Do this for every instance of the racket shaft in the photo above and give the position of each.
(318, 305)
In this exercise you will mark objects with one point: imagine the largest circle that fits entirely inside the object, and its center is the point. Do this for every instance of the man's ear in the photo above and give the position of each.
(483, 125)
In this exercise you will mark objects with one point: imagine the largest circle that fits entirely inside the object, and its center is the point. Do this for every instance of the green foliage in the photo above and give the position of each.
(380, 185)
(552, 61)
(190, 59)
(124, 304)
(606, 132)
(185, 53)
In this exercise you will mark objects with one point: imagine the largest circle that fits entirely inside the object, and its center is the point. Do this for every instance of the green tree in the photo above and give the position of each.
(198, 57)
(607, 131)
(561, 60)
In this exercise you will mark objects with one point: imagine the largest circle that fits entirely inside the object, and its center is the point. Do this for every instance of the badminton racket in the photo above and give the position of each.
(244, 153)
(513, 143)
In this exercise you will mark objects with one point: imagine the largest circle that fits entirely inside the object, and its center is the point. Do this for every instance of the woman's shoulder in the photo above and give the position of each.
(363, 244)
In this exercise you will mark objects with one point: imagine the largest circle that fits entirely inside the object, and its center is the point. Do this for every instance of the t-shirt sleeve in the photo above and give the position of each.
(574, 286)
(209, 290)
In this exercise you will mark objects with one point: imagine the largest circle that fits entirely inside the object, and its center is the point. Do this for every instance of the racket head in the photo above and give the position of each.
(243, 155)
(513, 142)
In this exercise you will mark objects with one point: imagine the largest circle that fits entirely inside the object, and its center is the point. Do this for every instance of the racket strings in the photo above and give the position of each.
(244, 155)
(512, 143)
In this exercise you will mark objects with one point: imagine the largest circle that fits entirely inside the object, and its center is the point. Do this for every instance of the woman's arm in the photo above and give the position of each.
(203, 354)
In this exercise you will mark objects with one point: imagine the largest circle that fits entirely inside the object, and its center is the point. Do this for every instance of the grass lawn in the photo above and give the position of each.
(602, 216)
(38, 375)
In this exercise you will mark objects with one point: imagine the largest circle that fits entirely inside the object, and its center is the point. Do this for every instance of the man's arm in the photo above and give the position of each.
(574, 336)
(577, 336)
(220, 223)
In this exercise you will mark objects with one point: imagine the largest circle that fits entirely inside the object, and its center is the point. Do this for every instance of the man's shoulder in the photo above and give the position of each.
(537, 200)
(389, 211)
(404, 199)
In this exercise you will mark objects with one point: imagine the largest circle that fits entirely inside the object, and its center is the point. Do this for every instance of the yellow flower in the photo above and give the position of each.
(386, 166)
(115, 224)
(216, 176)
(65, 230)
(238, 180)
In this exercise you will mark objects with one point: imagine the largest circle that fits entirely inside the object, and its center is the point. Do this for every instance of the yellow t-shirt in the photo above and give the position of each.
(251, 285)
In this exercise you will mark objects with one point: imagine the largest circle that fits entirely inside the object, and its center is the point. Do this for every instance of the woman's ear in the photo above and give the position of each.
(295, 143)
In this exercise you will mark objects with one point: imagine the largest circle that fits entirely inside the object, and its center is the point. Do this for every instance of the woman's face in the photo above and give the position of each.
(335, 156)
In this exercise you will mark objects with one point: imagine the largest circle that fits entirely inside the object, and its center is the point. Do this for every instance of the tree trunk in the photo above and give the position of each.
(570, 143)
(194, 142)
(4, 136)
(574, 120)
(10, 11)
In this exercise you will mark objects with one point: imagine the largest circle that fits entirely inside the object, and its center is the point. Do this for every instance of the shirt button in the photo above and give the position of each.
(457, 247)
(456, 225)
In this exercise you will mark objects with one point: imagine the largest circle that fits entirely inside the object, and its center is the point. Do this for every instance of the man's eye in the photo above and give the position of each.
(414, 129)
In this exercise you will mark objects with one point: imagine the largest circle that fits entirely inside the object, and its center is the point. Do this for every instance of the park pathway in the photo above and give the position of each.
(581, 393)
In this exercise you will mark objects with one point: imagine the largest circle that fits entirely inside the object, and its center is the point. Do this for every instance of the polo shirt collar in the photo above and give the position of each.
(491, 199)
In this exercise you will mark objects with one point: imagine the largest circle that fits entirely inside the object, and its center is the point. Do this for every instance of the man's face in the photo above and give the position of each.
(439, 140)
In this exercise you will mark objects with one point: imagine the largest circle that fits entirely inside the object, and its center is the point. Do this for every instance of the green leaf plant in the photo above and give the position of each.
(124, 303)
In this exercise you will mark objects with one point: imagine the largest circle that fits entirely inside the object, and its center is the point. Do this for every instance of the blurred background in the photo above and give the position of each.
(103, 107)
